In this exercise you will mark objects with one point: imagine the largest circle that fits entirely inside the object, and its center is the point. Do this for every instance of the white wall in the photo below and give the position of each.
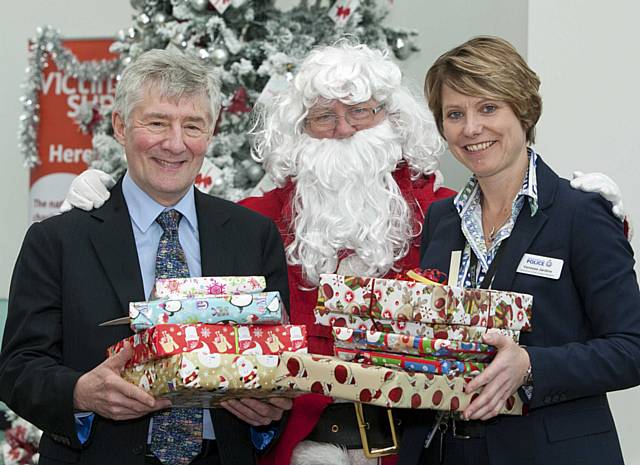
(75, 19)
(586, 54)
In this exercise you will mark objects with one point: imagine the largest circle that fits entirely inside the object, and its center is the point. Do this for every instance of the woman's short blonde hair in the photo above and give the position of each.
(487, 67)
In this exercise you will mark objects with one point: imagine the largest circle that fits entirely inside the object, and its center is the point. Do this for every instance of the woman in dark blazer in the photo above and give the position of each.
(520, 227)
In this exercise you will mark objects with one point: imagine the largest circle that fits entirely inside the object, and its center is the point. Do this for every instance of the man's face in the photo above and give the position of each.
(165, 142)
(335, 120)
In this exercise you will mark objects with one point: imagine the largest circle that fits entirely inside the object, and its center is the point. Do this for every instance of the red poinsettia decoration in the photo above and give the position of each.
(21, 440)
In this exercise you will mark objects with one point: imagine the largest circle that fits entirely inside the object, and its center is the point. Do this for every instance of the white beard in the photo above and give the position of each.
(347, 200)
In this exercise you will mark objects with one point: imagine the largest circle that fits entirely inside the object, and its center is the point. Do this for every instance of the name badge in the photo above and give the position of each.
(537, 265)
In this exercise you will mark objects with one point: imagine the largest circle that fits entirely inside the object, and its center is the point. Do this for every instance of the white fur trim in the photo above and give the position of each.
(319, 453)
(357, 458)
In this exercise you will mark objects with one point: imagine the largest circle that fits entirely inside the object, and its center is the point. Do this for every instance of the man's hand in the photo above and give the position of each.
(105, 393)
(258, 412)
(88, 190)
(499, 380)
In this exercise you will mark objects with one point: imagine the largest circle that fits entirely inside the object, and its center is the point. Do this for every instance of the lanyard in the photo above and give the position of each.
(493, 267)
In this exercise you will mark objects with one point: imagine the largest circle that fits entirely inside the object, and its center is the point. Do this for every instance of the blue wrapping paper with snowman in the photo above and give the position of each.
(257, 308)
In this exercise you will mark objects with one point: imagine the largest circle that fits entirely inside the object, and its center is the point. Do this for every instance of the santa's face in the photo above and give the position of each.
(332, 119)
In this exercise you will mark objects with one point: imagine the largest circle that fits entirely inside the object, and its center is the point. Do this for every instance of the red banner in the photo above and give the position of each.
(63, 148)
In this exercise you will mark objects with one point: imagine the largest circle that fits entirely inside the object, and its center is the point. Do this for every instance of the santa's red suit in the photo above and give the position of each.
(276, 204)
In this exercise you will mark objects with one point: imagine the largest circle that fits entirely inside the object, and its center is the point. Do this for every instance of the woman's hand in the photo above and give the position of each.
(499, 380)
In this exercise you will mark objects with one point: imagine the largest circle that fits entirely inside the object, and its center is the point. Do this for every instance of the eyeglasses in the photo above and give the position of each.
(358, 117)
(163, 128)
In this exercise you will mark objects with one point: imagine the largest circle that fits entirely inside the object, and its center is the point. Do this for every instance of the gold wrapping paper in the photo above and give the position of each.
(196, 379)
(385, 387)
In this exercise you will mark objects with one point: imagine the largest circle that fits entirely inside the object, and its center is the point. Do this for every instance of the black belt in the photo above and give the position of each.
(339, 424)
(469, 429)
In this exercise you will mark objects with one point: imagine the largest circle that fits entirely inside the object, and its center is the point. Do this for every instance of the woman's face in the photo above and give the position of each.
(484, 135)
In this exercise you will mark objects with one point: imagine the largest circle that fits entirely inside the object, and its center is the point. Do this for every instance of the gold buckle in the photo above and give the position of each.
(363, 426)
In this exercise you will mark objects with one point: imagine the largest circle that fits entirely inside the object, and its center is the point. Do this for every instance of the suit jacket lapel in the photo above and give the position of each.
(116, 249)
(217, 250)
(527, 227)
(450, 223)
(446, 237)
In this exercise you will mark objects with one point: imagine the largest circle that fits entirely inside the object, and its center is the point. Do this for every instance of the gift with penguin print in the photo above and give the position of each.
(257, 308)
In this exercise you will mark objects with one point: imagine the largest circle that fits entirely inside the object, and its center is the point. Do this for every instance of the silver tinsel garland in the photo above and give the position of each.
(47, 44)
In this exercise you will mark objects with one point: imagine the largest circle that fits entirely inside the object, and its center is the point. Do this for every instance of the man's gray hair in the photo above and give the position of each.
(173, 74)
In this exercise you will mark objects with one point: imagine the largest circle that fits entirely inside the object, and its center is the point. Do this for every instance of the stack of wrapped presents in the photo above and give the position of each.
(199, 341)
(406, 344)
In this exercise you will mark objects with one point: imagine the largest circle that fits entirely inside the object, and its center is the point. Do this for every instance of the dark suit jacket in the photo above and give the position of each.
(586, 326)
(79, 269)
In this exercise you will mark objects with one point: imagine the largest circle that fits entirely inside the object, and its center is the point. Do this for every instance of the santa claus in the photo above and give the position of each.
(355, 157)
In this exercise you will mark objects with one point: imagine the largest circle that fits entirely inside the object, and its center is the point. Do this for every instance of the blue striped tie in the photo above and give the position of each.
(177, 433)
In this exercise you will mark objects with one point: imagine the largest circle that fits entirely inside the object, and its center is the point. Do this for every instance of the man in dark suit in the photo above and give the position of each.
(79, 269)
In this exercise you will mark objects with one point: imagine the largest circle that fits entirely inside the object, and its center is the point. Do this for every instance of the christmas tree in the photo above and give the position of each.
(254, 44)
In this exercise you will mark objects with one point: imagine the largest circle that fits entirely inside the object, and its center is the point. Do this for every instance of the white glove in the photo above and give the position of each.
(89, 190)
(603, 185)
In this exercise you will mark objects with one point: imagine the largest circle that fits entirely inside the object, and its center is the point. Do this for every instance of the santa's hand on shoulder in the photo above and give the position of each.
(88, 190)
(602, 184)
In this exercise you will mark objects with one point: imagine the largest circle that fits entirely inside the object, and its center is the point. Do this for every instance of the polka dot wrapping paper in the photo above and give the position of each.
(385, 387)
